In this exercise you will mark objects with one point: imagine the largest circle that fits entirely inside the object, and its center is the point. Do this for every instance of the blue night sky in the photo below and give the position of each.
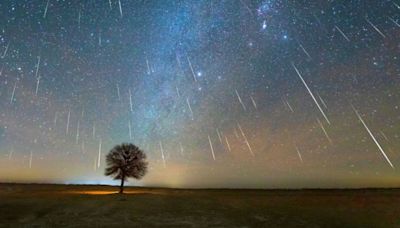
(218, 93)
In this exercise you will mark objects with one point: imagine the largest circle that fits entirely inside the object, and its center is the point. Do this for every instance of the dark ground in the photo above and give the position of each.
(97, 206)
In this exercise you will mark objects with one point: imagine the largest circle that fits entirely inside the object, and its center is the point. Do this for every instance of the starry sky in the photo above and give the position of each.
(218, 93)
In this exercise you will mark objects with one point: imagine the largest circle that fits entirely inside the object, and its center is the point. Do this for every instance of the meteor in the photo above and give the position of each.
(30, 160)
(299, 154)
(13, 93)
(120, 7)
(68, 117)
(305, 51)
(45, 10)
(253, 102)
(373, 137)
(376, 28)
(211, 147)
(245, 139)
(190, 108)
(240, 100)
(227, 143)
(99, 156)
(311, 94)
(191, 68)
(341, 32)
(5, 51)
(130, 100)
(162, 153)
(219, 136)
(323, 129)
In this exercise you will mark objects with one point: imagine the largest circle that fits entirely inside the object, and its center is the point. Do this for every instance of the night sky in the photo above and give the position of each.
(218, 93)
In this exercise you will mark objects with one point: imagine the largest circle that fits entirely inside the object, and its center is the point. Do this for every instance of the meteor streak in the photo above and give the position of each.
(240, 100)
(162, 153)
(342, 33)
(299, 154)
(45, 10)
(99, 155)
(190, 108)
(376, 28)
(373, 137)
(191, 68)
(323, 129)
(211, 147)
(311, 94)
(245, 139)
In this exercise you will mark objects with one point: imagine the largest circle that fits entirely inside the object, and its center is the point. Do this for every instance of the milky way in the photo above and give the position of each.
(236, 93)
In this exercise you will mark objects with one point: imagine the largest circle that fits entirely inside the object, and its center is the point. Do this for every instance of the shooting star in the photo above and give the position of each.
(394, 21)
(299, 154)
(77, 133)
(305, 51)
(5, 51)
(118, 93)
(190, 108)
(37, 85)
(373, 137)
(37, 67)
(311, 94)
(177, 92)
(227, 143)
(148, 66)
(120, 7)
(376, 28)
(342, 33)
(68, 117)
(45, 10)
(130, 130)
(99, 155)
(322, 101)
(162, 153)
(79, 19)
(130, 100)
(211, 147)
(245, 139)
(285, 102)
(253, 102)
(384, 135)
(323, 129)
(13, 93)
(240, 100)
(219, 135)
(191, 68)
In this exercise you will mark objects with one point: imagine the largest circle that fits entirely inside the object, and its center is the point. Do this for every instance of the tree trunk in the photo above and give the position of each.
(121, 187)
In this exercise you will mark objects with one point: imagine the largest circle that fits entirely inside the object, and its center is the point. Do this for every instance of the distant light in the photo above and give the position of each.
(264, 25)
(285, 37)
(199, 74)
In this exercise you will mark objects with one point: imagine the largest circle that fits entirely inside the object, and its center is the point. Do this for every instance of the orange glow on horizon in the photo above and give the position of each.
(108, 192)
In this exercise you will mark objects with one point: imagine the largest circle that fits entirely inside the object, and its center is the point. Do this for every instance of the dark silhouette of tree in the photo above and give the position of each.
(124, 161)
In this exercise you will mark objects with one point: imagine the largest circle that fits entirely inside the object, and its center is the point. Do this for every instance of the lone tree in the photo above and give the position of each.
(124, 161)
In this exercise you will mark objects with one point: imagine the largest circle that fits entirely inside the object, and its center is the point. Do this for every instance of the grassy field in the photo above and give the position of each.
(99, 206)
